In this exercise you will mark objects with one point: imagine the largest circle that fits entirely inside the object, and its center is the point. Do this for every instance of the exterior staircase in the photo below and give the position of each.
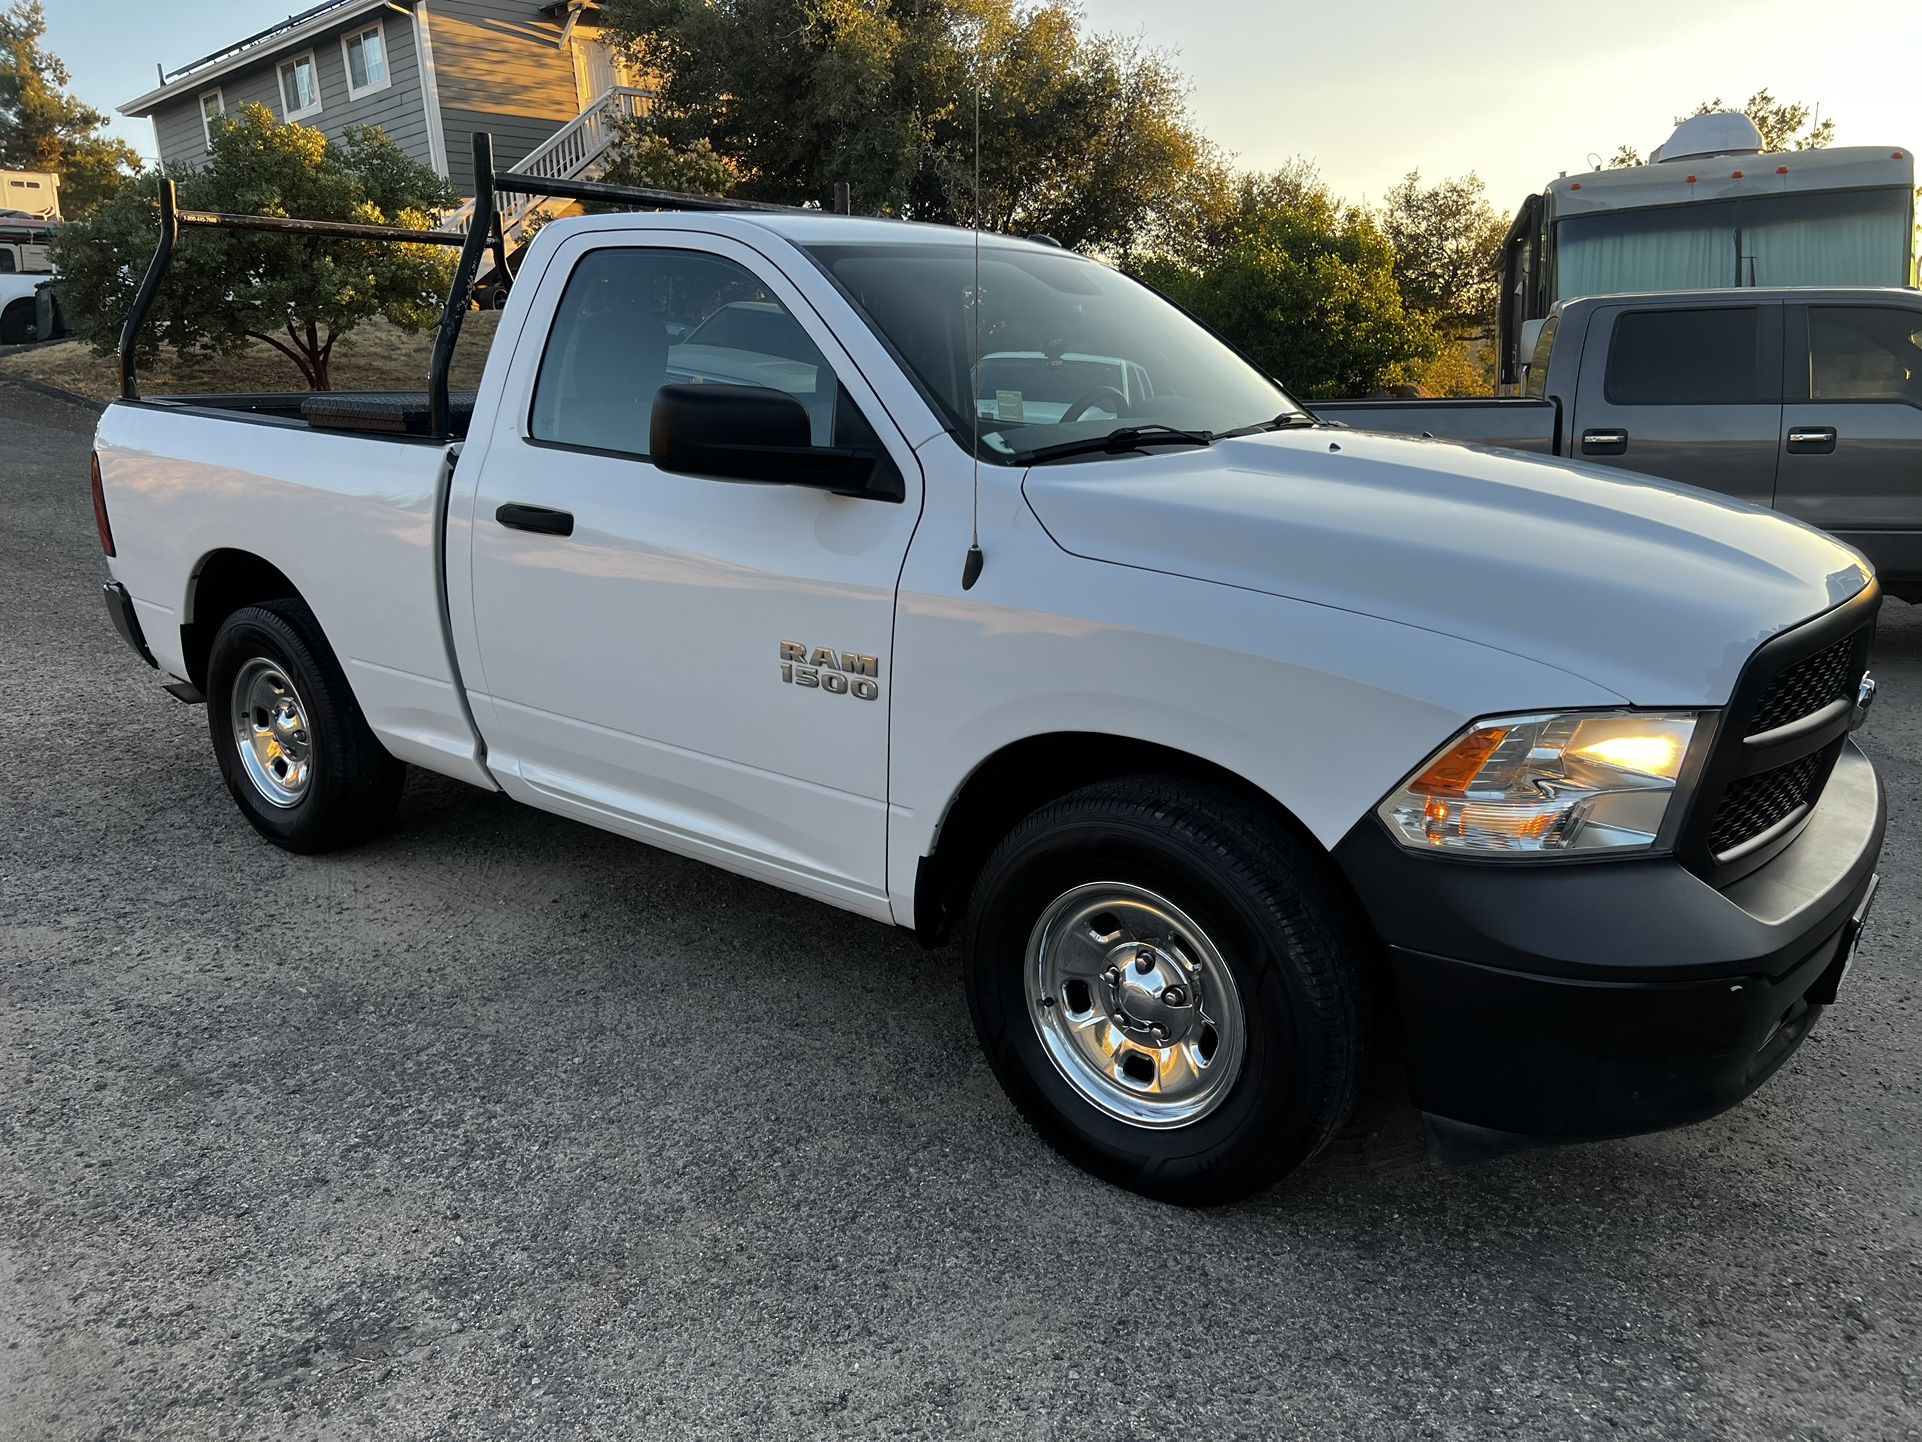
(577, 151)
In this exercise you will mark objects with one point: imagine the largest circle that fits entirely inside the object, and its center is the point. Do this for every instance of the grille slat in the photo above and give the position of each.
(1752, 804)
(1805, 688)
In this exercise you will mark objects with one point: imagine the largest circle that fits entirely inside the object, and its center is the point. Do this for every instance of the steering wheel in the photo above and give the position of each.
(1087, 401)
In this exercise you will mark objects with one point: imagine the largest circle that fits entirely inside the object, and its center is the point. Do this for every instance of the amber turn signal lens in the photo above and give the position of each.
(1450, 773)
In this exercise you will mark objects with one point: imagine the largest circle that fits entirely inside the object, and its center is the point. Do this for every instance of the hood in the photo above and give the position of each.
(1658, 592)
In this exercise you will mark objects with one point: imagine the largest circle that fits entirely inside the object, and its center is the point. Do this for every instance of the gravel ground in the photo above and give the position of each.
(503, 1128)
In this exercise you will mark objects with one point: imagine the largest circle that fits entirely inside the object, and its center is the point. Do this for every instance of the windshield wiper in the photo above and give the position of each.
(1282, 422)
(1118, 442)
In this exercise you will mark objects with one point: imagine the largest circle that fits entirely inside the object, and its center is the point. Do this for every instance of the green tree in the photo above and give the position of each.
(644, 157)
(1784, 124)
(1084, 137)
(229, 288)
(1448, 242)
(1305, 285)
(42, 127)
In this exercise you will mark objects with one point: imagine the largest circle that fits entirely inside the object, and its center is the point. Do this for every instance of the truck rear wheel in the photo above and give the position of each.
(1169, 985)
(289, 737)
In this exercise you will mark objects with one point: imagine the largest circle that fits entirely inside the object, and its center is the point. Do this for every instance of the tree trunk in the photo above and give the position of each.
(300, 361)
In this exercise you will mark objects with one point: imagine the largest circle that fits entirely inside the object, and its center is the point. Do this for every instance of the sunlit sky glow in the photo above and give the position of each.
(1518, 93)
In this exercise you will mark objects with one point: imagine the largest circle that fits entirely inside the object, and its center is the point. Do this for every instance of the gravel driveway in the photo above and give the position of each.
(504, 1128)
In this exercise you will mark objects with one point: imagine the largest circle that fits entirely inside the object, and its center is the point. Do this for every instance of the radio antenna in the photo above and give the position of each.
(971, 567)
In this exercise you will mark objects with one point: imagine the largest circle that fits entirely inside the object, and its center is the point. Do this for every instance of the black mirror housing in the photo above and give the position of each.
(760, 435)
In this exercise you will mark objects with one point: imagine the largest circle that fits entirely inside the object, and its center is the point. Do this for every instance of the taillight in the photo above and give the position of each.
(100, 509)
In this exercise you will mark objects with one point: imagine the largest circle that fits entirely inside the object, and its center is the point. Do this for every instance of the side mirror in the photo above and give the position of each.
(754, 433)
(1531, 337)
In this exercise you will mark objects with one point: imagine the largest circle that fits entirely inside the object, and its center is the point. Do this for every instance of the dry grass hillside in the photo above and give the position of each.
(375, 357)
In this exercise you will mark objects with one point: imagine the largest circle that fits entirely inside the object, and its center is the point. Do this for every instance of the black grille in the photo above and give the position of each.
(1774, 747)
(1752, 804)
(1806, 687)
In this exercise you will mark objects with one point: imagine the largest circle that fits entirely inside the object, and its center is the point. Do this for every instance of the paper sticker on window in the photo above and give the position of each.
(1007, 405)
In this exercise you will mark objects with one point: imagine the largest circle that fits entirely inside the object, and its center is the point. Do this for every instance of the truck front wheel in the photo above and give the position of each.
(289, 737)
(1169, 985)
(18, 323)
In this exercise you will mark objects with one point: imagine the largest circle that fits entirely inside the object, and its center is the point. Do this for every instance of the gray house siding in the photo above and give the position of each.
(399, 109)
(501, 67)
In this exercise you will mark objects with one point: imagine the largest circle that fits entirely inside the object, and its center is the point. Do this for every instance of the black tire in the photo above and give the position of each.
(19, 323)
(1278, 915)
(354, 786)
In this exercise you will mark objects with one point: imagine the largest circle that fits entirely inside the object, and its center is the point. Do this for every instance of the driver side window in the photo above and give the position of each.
(633, 319)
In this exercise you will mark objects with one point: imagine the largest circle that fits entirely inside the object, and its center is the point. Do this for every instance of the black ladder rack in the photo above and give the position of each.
(484, 232)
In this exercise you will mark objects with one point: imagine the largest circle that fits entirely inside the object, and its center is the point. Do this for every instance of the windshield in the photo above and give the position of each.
(1070, 351)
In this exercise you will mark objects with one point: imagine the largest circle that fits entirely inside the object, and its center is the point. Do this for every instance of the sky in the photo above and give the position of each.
(1517, 93)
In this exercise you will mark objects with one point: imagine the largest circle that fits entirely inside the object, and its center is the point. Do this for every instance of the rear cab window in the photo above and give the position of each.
(1710, 356)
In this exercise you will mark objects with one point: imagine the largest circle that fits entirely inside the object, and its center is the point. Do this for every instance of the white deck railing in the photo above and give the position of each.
(576, 151)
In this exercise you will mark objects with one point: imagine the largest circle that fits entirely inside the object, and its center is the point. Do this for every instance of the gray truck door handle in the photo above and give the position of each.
(1811, 440)
(1604, 443)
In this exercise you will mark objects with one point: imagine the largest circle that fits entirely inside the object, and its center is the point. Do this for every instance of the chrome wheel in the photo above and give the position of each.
(1134, 1005)
(271, 734)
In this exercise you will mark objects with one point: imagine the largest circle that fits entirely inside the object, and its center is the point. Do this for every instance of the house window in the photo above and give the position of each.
(299, 87)
(212, 105)
(366, 58)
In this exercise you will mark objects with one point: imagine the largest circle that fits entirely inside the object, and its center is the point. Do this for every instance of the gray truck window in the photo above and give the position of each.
(634, 319)
(6, 262)
(1865, 353)
(1686, 358)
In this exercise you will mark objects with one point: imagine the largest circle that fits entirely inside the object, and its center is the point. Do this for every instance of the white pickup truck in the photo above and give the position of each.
(1234, 746)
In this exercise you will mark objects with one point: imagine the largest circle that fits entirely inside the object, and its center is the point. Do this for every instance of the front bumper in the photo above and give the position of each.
(1579, 1000)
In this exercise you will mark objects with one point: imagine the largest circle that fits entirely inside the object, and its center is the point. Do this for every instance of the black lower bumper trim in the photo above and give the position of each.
(120, 612)
(1543, 1057)
(1580, 1001)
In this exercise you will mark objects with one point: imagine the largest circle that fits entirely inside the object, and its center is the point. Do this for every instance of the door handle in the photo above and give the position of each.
(545, 519)
(1811, 440)
(1604, 443)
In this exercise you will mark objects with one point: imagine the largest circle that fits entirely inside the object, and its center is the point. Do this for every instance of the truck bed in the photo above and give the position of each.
(1516, 424)
(353, 520)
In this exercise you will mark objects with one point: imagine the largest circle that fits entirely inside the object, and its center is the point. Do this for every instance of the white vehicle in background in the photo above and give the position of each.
(1008, 383)
(26, 261)
(1709, 210)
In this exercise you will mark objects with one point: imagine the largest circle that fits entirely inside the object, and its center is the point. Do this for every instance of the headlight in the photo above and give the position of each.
(1551, 785)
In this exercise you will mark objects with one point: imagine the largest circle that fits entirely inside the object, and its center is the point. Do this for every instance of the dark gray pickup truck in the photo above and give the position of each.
(1806, 400)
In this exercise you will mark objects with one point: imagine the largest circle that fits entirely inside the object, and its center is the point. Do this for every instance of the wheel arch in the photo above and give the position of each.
(223, 582)
(1027, 774)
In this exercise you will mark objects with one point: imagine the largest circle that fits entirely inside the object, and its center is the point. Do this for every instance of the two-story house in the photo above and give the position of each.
(535, 73)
